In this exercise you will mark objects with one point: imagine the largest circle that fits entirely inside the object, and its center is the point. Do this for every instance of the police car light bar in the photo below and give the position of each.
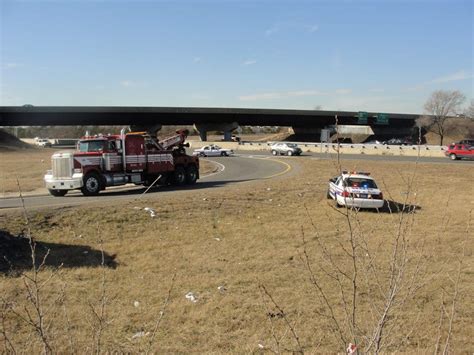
(356, 172)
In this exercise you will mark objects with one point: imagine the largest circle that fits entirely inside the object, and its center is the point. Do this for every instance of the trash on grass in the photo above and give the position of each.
(136, 304)
(190, 296)
(151, 211)
(140, 335)
(222, 289)
(351, 349)
(218, 239)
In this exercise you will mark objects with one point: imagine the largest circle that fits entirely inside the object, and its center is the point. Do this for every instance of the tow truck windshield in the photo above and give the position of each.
(92, 146)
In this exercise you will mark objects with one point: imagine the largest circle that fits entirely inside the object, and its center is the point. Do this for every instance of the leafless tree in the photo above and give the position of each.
(440, 106)
(469, 112)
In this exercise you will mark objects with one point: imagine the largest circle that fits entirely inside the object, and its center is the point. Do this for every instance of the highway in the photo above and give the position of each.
(245, 166)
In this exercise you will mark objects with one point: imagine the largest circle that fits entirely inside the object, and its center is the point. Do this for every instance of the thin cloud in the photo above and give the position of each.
(343, 91)
(197, 59)
(271, 31)
(460, 75)
(12, 65)
(313, 28)
(280, 95)
(249, 62)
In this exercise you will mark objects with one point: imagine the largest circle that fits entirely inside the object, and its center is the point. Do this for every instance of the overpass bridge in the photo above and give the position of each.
(207, 119)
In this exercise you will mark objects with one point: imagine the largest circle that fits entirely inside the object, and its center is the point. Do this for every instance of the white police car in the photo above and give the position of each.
(355, 189)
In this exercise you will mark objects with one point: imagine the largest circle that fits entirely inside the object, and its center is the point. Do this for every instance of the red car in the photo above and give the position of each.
(460, 151)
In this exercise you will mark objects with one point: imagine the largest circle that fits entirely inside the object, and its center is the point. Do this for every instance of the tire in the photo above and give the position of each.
(57, 193)
(179, 176)
(92, 185)
(328, 195)
(224, 154)
(289, 153)
(453, 156)
(202, 155)
(337, 203)
(274, 152)
(191, 175)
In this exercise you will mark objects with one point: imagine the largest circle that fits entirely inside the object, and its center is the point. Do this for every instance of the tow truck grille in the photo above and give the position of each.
(62, 165)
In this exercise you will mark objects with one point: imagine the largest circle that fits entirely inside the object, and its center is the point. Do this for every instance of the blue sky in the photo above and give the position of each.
(385, 56)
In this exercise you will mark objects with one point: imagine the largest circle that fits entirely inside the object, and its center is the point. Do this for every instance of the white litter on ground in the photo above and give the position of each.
(190, 296)
(151, 211)
(136, 304)
(140, 335)
(222, 289)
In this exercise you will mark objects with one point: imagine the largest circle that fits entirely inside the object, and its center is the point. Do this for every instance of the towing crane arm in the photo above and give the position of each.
(175, 140)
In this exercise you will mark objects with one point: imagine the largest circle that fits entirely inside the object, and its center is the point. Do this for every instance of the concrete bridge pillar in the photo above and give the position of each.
(226, 127)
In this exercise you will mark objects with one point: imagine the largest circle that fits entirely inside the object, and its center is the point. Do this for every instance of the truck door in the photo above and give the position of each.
(135, 153)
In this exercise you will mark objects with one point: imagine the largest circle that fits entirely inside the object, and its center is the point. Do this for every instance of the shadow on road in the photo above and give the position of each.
(15, 255)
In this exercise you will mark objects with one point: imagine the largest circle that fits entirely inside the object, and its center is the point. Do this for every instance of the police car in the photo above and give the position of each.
(355, 189)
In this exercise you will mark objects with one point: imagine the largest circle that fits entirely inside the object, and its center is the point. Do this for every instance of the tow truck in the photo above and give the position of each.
(101, 161)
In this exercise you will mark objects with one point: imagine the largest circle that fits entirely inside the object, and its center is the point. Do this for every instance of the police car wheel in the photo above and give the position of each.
(328, 195)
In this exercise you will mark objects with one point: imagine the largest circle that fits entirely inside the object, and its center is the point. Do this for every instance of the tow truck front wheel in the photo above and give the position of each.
(57, 193)
(453, 156)
(91, 185)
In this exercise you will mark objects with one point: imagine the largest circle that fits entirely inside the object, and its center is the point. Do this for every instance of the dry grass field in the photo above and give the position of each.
(273, 267)
(30, 165)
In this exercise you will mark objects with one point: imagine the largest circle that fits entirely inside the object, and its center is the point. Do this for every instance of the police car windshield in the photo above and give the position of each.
(360, 182)
(91, 146)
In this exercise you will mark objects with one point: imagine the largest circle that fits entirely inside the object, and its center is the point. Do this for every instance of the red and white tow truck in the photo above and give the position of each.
(112, 160)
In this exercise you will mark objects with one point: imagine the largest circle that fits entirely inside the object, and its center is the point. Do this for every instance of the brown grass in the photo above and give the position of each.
(30, 165)
(241, 237)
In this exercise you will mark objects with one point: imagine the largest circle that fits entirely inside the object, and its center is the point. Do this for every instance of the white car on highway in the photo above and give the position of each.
(213, 151)
(355, 189)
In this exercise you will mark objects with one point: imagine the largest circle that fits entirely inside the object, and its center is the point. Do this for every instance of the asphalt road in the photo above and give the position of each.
(231, 170)
(328, 156)
(246, 166)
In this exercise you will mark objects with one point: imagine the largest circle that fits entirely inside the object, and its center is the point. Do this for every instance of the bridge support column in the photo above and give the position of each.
(226, 127)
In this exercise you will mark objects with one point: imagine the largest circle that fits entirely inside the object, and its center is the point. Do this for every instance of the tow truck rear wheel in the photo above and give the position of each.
(92, 185)
(179, 176)
(191, 175)
(57, 193)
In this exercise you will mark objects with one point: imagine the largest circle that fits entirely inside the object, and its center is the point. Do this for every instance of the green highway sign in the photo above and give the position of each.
(362, 116)
(382, 119)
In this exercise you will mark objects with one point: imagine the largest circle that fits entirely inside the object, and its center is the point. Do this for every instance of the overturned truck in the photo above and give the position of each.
(113, 160)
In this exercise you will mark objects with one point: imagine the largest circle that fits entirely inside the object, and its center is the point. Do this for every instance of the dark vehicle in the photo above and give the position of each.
(469, 141)
(399, 141)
